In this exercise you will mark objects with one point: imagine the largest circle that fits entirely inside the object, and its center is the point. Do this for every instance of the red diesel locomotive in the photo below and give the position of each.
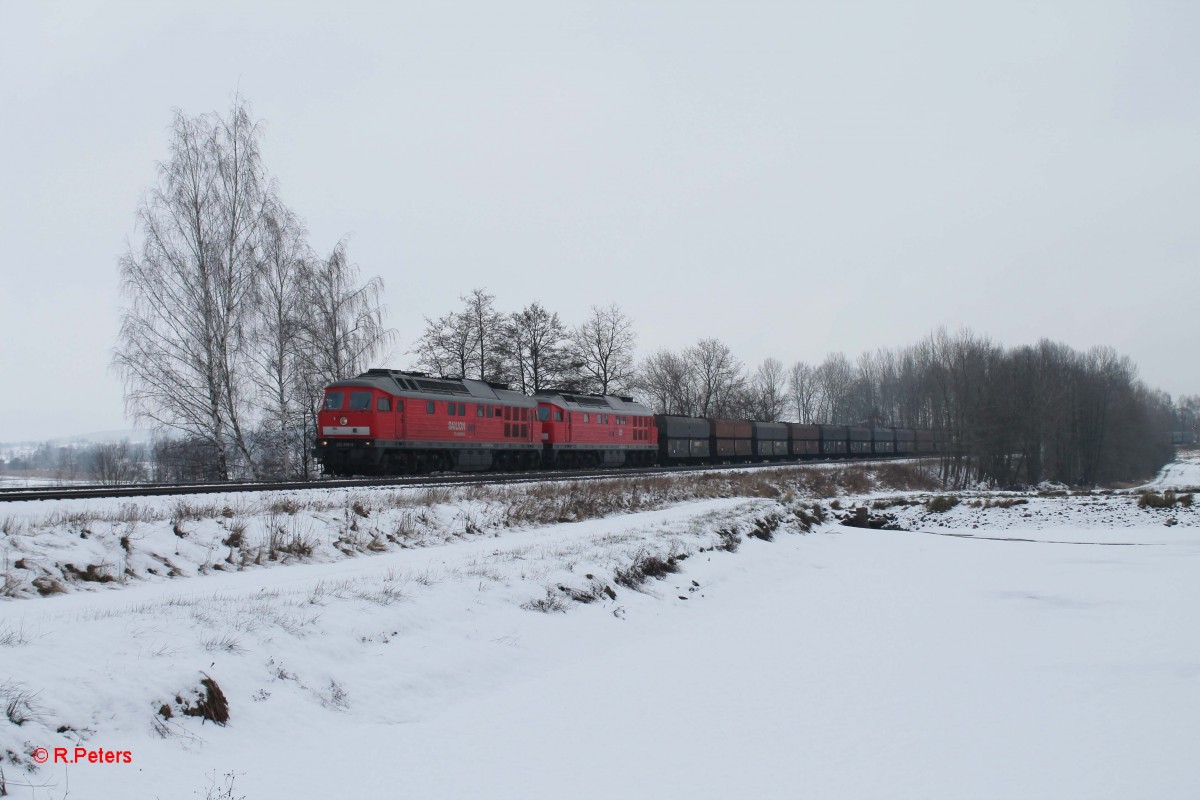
(387, 422)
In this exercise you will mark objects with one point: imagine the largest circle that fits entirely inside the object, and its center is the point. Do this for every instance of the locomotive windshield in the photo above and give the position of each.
(360, 401)
(543, 413)
(333, 401)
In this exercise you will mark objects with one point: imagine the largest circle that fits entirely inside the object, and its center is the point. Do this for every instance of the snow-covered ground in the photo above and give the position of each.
(1041, 650)
(1183, 473)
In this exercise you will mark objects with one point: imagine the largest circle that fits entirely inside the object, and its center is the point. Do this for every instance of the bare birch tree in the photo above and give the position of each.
(342, 326)
(276, 344)
(190, 285)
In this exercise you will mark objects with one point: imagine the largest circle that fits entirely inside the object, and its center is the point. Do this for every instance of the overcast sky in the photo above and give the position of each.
(793, 178)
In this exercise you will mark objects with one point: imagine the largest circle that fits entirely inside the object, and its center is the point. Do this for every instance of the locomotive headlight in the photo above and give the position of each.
(324, 443)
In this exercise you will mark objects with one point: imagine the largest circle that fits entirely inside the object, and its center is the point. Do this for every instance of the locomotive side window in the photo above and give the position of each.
(383, 404)
(462, 409)
(479, 411)
(544, 414)
(585, 417)
(429, 407)
(489, 412)
(360, 401)
(557, 415)
(333, 401)
(450, 409)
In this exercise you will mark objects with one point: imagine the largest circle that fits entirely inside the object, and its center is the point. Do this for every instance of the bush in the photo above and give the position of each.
(942, 503)
(1167, 499)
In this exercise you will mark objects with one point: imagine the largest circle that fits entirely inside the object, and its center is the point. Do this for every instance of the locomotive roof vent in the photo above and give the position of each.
(445, 387)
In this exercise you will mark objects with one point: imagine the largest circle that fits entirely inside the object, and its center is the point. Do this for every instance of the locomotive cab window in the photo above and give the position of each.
(334, 400)
(429, 407)
(450, 409)
(360, 401)
(479, 411)
(543, 414)
(557, 415)
(383, 404)
(585, 417)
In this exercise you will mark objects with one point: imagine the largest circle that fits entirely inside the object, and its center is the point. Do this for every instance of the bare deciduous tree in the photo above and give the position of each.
(668, 382)
(190, 286)
(342, 328)
(535, 343)
(486, 326)
(718, 375)
(836, 377)
(276, 344)
(768, 391)
(602, 347)
(445, 346)
(116, 463)
(804, 391)
(465, 344)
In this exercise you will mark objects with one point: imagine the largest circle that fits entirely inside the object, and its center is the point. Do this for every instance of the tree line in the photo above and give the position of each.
(531, 349)
(233, 322)
(165, 460)
(1005, 416)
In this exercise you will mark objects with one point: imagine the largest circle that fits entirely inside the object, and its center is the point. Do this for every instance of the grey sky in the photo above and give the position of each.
(1026, 169)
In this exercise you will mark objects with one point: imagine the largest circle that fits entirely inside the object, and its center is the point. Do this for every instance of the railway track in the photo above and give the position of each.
(442, 479)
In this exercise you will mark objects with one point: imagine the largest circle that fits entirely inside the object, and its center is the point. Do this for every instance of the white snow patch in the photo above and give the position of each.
(986, 653)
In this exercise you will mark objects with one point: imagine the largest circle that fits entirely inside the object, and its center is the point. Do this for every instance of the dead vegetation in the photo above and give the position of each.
(276, 528)
(206, 701)
(1167, 499)
(20, 704)
(646, 566)
(941, 503)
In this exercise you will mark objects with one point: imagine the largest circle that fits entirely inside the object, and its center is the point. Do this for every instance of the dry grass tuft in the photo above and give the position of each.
(644, 567)
(207, 702)
(942, 503)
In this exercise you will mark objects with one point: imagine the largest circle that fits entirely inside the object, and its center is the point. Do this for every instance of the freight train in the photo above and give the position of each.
(392, 422)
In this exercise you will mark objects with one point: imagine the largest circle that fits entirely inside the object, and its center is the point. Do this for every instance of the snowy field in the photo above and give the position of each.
(1035, 649)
